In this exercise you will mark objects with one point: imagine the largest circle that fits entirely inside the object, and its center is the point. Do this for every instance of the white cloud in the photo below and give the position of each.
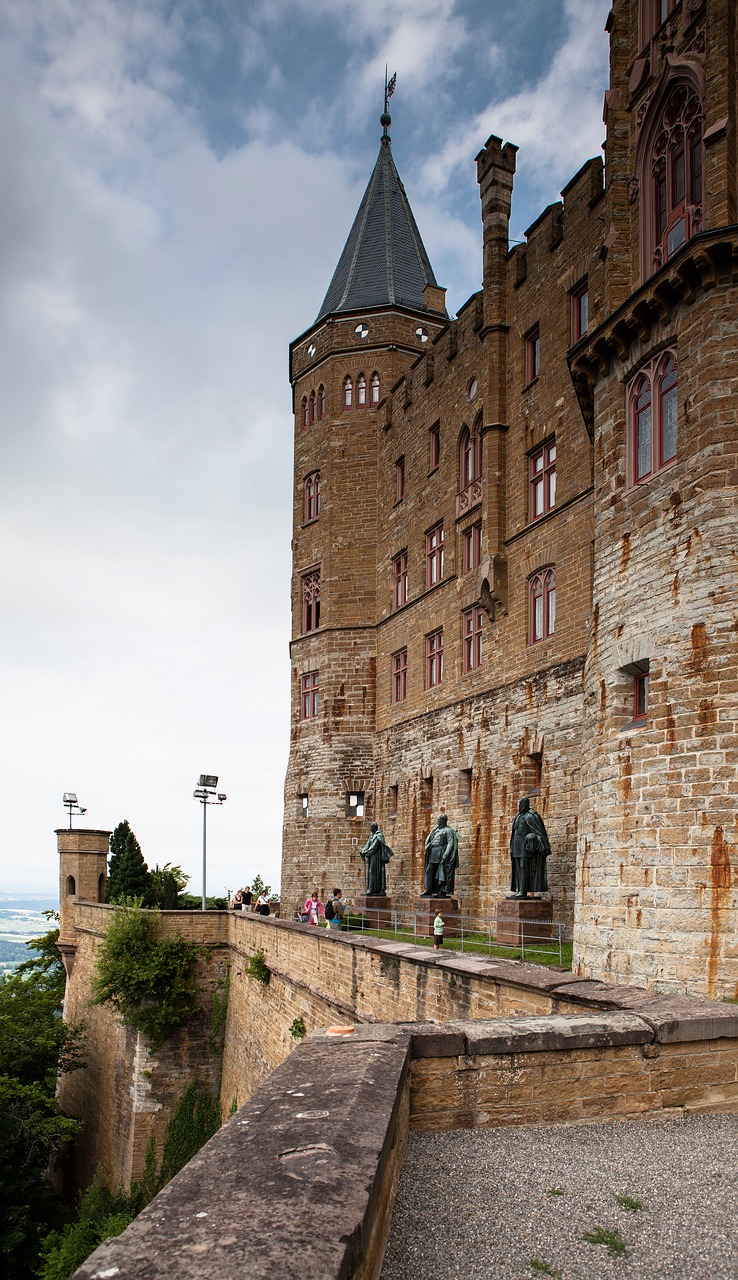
(555, 121)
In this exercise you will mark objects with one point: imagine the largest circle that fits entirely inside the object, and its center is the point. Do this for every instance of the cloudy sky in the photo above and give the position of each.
(178, 180)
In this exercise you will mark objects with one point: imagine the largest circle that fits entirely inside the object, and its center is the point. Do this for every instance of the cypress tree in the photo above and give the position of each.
(128, 874)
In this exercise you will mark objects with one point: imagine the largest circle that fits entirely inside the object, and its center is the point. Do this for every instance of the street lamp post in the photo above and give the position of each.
(206, 793)
(72, 805)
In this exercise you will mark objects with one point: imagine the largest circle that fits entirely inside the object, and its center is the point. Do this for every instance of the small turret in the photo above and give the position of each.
(83, 870)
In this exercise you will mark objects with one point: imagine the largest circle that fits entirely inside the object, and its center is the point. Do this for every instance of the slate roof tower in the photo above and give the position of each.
(381, 310)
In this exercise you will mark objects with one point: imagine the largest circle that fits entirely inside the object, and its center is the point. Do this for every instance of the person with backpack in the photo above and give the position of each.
(334, 910)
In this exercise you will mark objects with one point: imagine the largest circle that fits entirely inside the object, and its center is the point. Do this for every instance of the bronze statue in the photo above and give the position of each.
(376, 854)
(529, 848)
(441, 860)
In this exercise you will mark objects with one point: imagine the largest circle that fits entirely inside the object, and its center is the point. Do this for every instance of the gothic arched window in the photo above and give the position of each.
(542, 605)
(321, 401)
(313, 407)
(304, 412)
(348, 392)
(375, 388)
(361, 391)
(674, 199)
(653, 418)
(470, 458)
(312, 497)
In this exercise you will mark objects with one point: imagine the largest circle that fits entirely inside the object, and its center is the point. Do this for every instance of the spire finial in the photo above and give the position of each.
(386, 118)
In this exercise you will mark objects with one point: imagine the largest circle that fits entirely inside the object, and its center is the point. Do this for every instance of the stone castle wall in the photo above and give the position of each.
(644, 572)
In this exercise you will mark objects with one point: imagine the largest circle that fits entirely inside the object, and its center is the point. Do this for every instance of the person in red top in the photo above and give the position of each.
(314, 908)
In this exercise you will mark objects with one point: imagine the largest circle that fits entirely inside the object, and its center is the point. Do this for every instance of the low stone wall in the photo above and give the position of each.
(126, 1093)
(315, 1155)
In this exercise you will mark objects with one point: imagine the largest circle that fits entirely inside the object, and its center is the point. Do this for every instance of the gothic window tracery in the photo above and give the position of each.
(675, 165)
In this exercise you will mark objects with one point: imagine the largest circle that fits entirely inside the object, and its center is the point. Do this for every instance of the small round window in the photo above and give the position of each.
(421, 333)
(362, 330)
(312, 349)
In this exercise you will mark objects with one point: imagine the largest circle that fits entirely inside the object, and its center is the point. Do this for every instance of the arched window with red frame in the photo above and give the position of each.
(313, 407)
(470, 458)
(466, 459)
(375, 388)
(312, 497)
(673, 204)
(653, 418)
(304, 412)
(348, 392)
(361, 391)
(642, 429)
(542, 605)
(321, 401)
(667, 411)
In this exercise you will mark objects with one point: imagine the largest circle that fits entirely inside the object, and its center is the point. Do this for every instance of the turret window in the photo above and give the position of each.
(375, 388)
(311, 600)
(304, 418)
(321, 401)
(312, 497)
(361, 391)
(310, 689)
(653, 418)
(348, 393)
(313, 407)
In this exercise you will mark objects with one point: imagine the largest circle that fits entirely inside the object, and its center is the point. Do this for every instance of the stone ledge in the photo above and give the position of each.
(317, 1150)
(538, 1034)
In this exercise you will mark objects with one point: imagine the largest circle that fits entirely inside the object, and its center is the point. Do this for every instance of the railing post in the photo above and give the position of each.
(522, 939)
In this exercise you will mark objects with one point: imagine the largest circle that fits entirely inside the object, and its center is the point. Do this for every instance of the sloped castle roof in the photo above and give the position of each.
(384, 261)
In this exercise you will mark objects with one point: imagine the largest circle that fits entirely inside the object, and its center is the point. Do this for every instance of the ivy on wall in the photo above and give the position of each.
(149, 981)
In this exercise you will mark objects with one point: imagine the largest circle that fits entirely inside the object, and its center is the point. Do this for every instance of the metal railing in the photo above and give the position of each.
(466, 933)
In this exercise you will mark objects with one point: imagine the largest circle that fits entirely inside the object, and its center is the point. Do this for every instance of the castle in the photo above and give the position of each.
(514, 563)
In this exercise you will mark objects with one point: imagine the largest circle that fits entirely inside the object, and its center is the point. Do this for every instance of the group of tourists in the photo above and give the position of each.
(243, 900)
(332, 912)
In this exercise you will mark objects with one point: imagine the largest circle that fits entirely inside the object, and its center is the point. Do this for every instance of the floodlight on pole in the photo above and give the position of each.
(206, 793)
(70, 803)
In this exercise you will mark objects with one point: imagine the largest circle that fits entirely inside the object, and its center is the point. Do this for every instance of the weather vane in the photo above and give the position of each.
(389, 89)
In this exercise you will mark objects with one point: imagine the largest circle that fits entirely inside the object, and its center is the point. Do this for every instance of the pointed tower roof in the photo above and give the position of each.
(384, 261)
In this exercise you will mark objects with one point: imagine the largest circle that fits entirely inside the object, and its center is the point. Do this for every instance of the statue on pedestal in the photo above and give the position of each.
(529, 848)
(441, 860)
(375, 854)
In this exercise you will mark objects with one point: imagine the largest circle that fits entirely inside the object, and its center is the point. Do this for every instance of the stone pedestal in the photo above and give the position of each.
(426, 910)
(376, 908)
(524, 920)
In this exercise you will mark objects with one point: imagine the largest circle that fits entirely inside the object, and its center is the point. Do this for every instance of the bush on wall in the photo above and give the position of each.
(150, 981)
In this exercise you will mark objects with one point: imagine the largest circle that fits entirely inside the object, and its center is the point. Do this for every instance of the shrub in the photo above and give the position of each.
(150, 981)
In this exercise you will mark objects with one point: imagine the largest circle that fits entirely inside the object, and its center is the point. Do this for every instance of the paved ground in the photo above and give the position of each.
(515, 1203)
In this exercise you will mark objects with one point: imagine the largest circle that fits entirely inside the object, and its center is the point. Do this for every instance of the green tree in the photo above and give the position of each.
(258, 886)
(165, 886)
(128, 874)
(101, 1214)
(34, 1044)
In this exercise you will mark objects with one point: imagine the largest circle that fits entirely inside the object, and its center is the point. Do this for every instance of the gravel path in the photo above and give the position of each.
(514, 1203)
